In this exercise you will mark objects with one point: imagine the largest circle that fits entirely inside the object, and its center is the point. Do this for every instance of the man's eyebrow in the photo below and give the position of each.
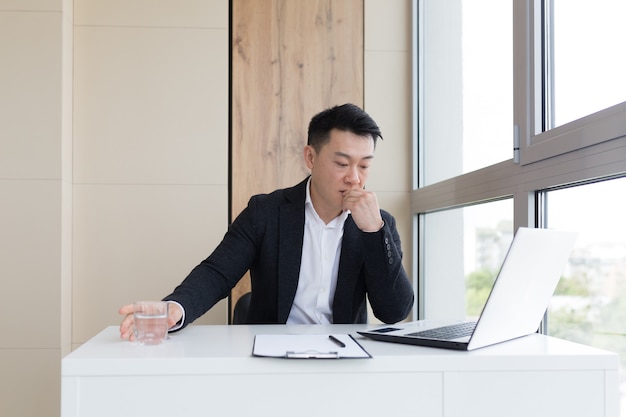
(345, 155)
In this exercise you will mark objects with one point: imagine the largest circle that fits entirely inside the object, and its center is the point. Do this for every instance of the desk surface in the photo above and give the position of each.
(210, 370)
(219, 349)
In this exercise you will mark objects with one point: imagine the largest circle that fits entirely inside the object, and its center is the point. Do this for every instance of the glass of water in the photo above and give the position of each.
(150, 322)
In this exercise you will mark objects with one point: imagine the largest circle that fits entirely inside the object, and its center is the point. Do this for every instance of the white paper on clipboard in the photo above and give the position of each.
(307, 346)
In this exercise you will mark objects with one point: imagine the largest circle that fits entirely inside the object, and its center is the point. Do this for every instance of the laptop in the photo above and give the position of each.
(518, 300)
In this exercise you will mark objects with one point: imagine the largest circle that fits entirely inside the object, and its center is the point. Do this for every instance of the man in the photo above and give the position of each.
(314, 250)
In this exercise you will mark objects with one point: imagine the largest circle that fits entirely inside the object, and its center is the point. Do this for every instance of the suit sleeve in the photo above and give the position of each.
(389, 289)
(213, 278)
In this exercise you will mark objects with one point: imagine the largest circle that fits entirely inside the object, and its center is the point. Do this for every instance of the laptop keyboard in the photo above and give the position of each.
(454, 331)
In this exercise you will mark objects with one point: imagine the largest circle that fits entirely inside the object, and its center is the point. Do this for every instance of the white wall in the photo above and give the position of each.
(113, 164)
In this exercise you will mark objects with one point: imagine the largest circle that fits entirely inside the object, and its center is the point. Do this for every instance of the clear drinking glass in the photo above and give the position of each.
(150, 322)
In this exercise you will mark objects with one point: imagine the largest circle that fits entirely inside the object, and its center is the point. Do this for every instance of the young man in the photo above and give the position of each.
(314, 250)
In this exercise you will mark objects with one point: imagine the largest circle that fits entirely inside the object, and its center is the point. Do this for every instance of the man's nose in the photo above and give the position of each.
(352, 177)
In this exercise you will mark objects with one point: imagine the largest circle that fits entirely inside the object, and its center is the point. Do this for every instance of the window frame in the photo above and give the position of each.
(533, 55)
(587, 149)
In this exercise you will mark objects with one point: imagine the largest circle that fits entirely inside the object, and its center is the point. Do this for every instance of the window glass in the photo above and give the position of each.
(463, 120)
(466, 86)
(464, 249)
(589, 305)
(588, 59)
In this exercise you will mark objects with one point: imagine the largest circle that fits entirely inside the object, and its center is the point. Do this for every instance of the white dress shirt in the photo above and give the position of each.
(313, 303)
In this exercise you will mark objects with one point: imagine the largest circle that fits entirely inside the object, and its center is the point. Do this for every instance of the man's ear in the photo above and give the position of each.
(309, 156)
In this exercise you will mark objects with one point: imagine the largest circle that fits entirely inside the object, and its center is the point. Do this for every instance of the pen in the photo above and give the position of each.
(336, 341)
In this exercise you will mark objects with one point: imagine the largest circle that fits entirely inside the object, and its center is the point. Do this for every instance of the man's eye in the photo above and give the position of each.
(341, 164)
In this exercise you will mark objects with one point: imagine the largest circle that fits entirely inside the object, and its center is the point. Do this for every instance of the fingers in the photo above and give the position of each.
(359, 198)
(127, 326)
(127, 309)
(174, 314)
(363, 206)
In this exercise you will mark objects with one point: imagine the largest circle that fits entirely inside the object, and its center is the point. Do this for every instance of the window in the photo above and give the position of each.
(468, 242)
(589, 306)
(568, 114)
(570, 91)
(588, 73)
(467, 89)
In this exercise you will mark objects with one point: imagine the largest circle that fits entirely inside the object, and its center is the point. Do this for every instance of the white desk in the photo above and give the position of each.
(209, 371)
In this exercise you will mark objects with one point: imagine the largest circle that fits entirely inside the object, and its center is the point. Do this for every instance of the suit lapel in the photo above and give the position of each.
(347, 276)
(291, 236)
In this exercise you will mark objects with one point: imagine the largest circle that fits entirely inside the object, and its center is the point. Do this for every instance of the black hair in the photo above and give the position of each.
(347, 117)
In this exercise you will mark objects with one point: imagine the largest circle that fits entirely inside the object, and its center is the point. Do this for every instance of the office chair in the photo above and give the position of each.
(240, 313)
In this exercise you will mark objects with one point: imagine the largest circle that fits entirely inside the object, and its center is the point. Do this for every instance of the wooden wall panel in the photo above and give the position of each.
(290, 60)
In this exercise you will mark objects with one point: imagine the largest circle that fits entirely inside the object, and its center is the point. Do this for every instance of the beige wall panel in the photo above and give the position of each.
(138, 242)
(152, 13)
(30, 5)
(30, 225)
(389, 102)
(30, 104)
(33, 388)
(151, 106)
(67, 139)
(65, 260)
(290, 60)
(388, 90)
(388, 25)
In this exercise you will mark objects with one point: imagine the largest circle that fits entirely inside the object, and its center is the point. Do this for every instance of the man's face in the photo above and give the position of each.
(342, 164)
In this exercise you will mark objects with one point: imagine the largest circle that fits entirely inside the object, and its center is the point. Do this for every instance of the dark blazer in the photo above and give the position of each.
(266, 238)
